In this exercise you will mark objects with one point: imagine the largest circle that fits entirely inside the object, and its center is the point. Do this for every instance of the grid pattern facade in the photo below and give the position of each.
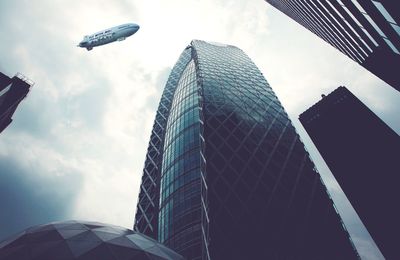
(146, 219)
(363, 155)
(367, 31)
(180, 203)
(236, 181)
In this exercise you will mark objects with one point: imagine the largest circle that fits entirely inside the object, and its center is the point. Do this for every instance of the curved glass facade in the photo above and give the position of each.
(236, 181)
(146, 219)
(180, 176)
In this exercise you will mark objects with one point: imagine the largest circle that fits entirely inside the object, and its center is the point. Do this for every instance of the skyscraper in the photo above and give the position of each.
(12, 92)
(367, 31)
(363, 154)
(226, 175)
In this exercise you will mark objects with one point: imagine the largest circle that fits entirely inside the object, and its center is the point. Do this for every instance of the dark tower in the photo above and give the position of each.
(226, 175)
(363, 154)
(368, 32)
(12, 92)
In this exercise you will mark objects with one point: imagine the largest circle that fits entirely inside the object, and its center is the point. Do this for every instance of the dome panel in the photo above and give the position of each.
(80, 247)
(17, 252)
(69, 233)
(106, 236)
(123, 241)
(60, 251)
(125, 253)
(43, 248)
(141, 241)
(101, 252)
(74, 240)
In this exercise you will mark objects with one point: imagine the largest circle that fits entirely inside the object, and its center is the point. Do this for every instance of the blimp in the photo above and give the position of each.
(117, 33)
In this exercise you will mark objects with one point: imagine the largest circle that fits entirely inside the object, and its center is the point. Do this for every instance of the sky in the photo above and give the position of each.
(77, 145)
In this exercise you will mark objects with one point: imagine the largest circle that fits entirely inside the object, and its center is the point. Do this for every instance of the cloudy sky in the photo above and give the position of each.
(77, 145)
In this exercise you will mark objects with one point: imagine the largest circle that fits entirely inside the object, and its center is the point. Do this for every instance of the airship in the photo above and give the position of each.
(117, 33)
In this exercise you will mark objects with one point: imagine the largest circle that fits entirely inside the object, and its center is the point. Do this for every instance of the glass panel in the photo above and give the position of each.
(384, 12)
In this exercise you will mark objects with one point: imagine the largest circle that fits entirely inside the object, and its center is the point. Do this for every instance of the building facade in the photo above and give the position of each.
(363, 154)
(226, 175)
(367, 31)
(12, 92)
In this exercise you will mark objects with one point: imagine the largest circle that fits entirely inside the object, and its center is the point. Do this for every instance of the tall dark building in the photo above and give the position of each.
(226, 175)
(12, 92)
(363, 154)
(366, 31)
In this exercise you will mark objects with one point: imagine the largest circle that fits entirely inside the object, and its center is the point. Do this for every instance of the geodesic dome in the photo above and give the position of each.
(81, 240)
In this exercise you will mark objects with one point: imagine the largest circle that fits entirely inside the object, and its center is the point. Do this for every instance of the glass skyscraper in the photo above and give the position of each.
(226, 175)
(367, 31)
(363, 154)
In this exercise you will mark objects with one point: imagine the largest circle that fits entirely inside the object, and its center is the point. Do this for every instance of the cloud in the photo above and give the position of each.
(29, 197)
